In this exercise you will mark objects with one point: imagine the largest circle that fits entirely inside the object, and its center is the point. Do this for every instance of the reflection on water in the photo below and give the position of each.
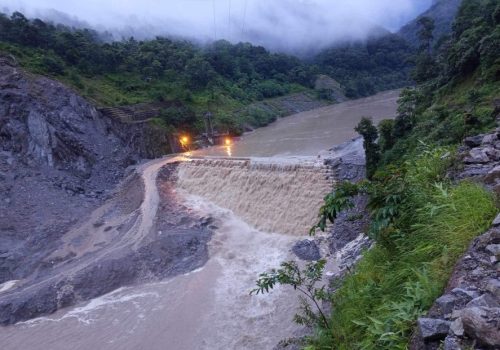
(228, 151)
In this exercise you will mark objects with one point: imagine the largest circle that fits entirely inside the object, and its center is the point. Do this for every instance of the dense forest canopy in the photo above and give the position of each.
(364, 68)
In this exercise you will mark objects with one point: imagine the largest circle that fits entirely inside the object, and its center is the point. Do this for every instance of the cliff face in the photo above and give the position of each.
(44, 122)
(58, 158)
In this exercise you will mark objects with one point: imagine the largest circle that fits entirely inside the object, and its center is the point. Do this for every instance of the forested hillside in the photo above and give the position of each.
(442, 12)
(366, 67)
(222, 77)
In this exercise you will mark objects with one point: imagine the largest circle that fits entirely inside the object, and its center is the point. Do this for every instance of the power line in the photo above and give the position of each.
(244, 17)
(229, 22)
(215, 26)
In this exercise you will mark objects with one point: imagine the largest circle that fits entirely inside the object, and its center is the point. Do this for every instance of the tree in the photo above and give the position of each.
(386, 131)
(372, 151)
(425, 33)
(405, 120)
(425, 65)
(305, 281)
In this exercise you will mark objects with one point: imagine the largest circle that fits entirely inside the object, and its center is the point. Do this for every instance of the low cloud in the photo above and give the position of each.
(284, 25)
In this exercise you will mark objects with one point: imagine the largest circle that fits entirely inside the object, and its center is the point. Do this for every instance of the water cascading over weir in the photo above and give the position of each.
(273, 195)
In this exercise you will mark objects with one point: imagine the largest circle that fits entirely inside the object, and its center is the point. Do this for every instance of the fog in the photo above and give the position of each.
(283, 25)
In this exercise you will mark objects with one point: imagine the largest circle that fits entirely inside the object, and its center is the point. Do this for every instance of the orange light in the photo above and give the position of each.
(184, 140)
(227, 141)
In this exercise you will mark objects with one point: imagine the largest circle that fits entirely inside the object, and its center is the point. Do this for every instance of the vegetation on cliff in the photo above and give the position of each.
(422, 222)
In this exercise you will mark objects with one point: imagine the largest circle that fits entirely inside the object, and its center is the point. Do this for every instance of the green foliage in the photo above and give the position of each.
(334, 203)
(270, 88)
(422, 224)
(366, 67)
(372, 151)
(405, 119)
(305, 281)
(425, 33)
(178, 116)
(386, 132)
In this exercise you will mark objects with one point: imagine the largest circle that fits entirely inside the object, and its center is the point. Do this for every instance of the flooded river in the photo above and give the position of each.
(307, 133)
(210, 308)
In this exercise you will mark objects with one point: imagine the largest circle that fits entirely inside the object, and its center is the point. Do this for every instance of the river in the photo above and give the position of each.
(210, 308)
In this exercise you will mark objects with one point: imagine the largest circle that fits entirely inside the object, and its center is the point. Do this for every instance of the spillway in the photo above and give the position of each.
(273, 196)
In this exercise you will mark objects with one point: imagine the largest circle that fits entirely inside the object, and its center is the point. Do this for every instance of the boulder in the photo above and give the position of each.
(477, 156)
(493, 287)
(457, 327)
(489, 139)
(493, 249)
(452, 343)
(492, 153)
(306, 250)
(493, 175)
(485, 300)
(433, 329)
(465, 293)
(473, 141)
(482, 324)
(446, 303)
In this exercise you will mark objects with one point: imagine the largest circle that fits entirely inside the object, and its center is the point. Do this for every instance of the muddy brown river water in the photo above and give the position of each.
(210, 308)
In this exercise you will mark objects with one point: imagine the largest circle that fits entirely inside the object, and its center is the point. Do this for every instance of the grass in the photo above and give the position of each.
(377, 306)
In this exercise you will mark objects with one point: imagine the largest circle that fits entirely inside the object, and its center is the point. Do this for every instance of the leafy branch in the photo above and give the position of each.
(305, 282)
(335, 203)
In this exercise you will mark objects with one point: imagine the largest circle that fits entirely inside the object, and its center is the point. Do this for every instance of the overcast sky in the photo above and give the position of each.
(283, 24)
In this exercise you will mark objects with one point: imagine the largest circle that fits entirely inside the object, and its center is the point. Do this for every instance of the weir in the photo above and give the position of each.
(272, 194)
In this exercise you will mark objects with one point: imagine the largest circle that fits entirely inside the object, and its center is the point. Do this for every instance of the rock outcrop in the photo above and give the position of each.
(58, 160)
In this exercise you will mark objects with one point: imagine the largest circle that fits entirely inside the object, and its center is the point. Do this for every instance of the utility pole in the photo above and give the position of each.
(209, 129)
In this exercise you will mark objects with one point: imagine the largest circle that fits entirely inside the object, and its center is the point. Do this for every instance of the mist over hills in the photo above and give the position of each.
(291, 26)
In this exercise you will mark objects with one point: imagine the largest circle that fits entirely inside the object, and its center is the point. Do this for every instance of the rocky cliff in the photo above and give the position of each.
(58, 159)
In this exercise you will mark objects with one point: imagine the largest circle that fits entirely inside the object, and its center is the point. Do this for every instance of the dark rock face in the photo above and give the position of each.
(306, 250)
(433, 329)
(347, 161)
(482, 324)
(58, 160)
(43, 121)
